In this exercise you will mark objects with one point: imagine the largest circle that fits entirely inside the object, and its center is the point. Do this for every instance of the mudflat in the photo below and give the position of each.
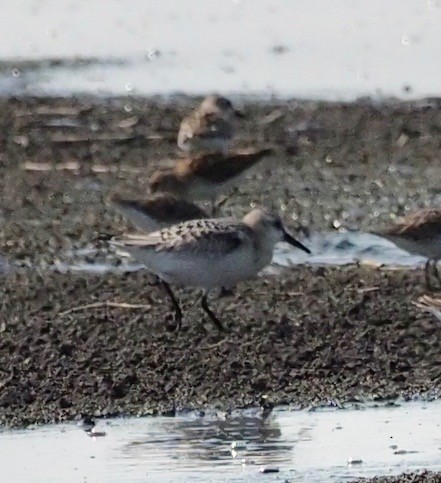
(75, 344)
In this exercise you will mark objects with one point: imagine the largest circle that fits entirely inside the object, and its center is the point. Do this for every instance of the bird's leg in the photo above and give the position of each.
(435, 275)
(213, 206)
(436, 271)
(207, 310)
(226, 292)
(174, 301)
(428, 273)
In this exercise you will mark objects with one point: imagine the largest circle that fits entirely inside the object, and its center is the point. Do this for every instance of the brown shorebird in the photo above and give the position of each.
(209, 128)
(157, 211)
(420, 234)
(206, 176)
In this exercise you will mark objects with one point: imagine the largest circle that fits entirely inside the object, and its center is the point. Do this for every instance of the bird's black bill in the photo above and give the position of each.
(295, 243)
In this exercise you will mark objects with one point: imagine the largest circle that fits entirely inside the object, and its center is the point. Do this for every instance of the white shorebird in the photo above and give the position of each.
(157, 211)
(209, 253)
(419, 233)
(209, 128)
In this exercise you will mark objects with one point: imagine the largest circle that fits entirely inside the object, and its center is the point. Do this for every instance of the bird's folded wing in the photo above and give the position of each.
(197, 239)
(217, 168)
(417, 226)
(162, 207)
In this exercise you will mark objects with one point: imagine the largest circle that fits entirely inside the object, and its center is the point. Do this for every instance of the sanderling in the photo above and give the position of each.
(207, 176)
(419, 233)
(157, 211)
(209, 253)
(209, 128)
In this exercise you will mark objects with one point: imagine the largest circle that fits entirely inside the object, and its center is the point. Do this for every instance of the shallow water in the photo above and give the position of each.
(346, 248)
(327, 249)
(338, 49)
(313, 446)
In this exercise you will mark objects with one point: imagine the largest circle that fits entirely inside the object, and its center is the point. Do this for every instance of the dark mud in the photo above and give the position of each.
(312, 336)
(423, 476)
(307, 337)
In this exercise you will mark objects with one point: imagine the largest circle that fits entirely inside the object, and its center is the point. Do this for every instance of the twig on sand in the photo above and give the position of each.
(75, 166)
(363, 290)
(104, 136)
(86, 138)
(102, 168)
(68, 166)
(52, 111)
(213, 346)
(97, 305)
(430, 304)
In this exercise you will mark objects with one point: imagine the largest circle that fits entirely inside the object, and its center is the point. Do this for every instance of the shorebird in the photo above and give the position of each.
(209, 128)
(420, 234)
(206, 176)
(209, 253)
(160, 211)
(157, 211)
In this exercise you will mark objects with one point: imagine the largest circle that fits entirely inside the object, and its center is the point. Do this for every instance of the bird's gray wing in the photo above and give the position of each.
(210, 236)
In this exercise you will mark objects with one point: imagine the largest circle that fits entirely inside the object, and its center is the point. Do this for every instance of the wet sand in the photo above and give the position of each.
(310, 336)
(313, 336)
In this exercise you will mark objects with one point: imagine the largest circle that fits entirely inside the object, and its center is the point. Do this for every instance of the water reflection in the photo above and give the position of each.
(241, 436)
(313, 446)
